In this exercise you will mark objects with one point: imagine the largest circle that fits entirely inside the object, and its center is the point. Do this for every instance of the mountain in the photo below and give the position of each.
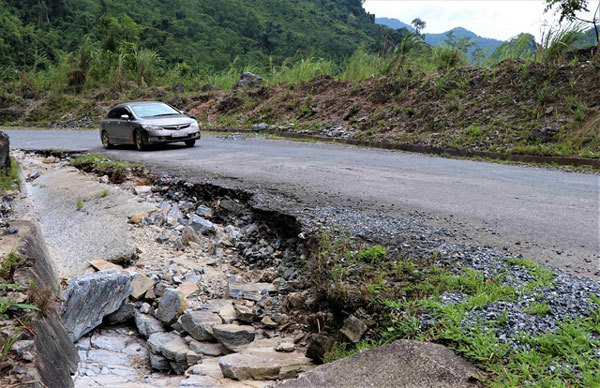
(393, 23)
(205, 34)
(488, 45)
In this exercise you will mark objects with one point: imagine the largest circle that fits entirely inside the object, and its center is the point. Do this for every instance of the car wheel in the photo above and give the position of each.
(190, 143)
(138, 140)
(106, 140)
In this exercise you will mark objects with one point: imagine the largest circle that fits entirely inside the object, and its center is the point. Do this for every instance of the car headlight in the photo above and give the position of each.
(194, 125)
(148, 127)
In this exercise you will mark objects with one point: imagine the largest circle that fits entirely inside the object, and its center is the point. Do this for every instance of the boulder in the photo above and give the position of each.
(222, 307)
(158, 362)
(237, 289)
(210, 349)
(199, 324)
(233, 337)
(4, 151)
(353, 328)
(171, 306)
(147, 324)
(244, 313)
(202, 225)
(405, 363)
(123, 314)
(241, 366)
(249, 79)
(91, 297)
(188, 288)
(318, 346)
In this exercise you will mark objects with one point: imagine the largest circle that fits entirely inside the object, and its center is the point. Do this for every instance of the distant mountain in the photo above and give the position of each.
(393, 23)
(488, 45)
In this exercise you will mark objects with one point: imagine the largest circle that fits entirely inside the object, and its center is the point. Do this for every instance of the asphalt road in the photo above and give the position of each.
(545, 215)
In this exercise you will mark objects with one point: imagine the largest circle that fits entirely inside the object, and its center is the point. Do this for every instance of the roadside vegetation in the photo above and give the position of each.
(117, 171)
(9, 179)
(432, 300)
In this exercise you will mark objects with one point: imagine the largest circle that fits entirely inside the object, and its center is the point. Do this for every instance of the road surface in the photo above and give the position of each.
(545, 215)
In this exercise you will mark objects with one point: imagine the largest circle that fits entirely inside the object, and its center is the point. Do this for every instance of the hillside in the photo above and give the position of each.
(201, 33)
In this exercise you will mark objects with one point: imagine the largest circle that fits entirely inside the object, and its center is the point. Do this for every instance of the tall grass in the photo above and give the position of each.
(556, 42)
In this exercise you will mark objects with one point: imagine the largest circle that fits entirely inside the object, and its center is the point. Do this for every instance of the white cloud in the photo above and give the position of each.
(492, 18)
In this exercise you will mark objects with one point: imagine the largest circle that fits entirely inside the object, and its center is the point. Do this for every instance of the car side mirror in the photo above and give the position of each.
(124, 117)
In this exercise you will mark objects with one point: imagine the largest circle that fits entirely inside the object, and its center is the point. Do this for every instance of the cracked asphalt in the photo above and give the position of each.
(545, 215)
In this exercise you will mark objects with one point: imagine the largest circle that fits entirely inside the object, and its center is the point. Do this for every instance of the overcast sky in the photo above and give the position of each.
(489, 18)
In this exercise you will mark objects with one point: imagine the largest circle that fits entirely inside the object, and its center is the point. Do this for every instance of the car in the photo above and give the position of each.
(145, 123)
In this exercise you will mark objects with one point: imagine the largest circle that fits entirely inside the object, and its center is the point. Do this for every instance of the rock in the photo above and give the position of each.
(353, 328)
(234, 336)
(199, 324)
(286, 347)
(545, 135)
(202, 225)
(224, 308)
(249, 366)
(147, 324)
(141, 190)
(192, 358)
(171, 306)
(175, 216)
(210, 349)
(4, 151)
(198, 382)
(318, 346)
(249, 79)
(244, 313)
(237, 289)
(145, 308)
(158, 362)
(137, 218)
(100, 264)
(189, 235)
(203, 211)
(170, 345)
(259, 127)
(89, 298)
(20, 348)
(405, 363)
(269, 323)
(141, 283)
(187, 288)
(123, 314)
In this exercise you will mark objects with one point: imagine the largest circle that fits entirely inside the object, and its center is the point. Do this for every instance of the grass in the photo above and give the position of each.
(104, 193)
(10, 263)
(397, 291)
(79, 204)
(9, 180)
(116, 170)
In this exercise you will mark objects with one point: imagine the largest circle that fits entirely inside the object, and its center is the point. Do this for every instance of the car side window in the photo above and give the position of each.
(114, 114)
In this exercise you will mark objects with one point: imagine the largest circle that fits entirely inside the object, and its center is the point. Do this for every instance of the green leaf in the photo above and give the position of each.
(27, 306)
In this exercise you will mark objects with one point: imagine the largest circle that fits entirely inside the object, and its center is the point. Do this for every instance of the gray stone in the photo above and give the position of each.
(237, 289)
(222, 307)
(170, 345)
(158, 362)
(234, 336)
(241, 366)
(141, 190)
(318, 346)
(405, 363)
(286, 347)
(210, 349)
(123, 314)
(192, 358)
(4, 151)
(249, 79)
(171, 306)
(259, 127)
(141, 283)
(174, 215)
(89, 298)
(198, 382)
(353, 328)
(199, 324)
(202, 225)
(147, 324)
(203, 211)
(244, 313)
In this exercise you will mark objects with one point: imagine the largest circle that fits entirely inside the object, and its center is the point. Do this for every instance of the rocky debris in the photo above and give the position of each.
(318, 346)
(147, 324)
(543, 135)
(234, 337)
(249, 79)
(174, 348)
(240, 366)
(187, 288)
(137, 218)
(202, 225)
(244, 313)
(143, 190)
(406, 363)
(285, 347)
(259, 127)
(123, 314)
(223, 308)
(210, 349)
(237, 289)
(89, 298)
(171, 306)
(353, 328)
(207, 88)
(140, 285)
(100, 264)
(268, 322)
(4, 151)
(199, 324)
(189, 235)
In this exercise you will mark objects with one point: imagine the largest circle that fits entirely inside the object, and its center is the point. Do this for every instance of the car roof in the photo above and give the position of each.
(134, 103)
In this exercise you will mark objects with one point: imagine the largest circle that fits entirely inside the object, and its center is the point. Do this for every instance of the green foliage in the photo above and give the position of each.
(557, 41)
(10, 263)
(9, 180)
(372, 254)
(79, 204)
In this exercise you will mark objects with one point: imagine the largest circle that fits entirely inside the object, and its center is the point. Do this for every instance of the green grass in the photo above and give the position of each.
(104, 193)
(10, 263)
(116, 170)
(9, 180)
(79, 204)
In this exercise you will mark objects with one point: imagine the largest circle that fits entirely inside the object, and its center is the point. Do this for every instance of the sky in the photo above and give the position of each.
(489, 18)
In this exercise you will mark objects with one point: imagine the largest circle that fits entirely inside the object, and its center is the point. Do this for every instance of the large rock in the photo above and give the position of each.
(147, 324)
(171, 306)
(241, 366)
(353, 328)
(89, 298)
(123, 314)
(4, 151)
(141, 283)
(405, 363)
(233, 337)
(199, 324)
(202, 225)
(237, 289)
(249, 79)
(210, 349)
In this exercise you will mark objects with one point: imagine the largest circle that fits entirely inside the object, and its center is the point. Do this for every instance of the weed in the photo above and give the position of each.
(104, 193)
(10, 263)
(79, 204)
(539, 309)
(372, 254)
(9, 180)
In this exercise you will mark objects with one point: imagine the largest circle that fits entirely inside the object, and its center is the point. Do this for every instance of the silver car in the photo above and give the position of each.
(145, 123)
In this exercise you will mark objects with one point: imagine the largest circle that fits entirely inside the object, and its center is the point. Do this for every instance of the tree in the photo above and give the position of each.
(569, 10)
(419, 25)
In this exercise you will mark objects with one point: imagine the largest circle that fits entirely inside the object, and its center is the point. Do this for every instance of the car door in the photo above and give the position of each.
(110, 124)
(125, 126)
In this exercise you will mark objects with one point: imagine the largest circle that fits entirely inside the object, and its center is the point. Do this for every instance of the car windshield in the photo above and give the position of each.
(152, 110)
